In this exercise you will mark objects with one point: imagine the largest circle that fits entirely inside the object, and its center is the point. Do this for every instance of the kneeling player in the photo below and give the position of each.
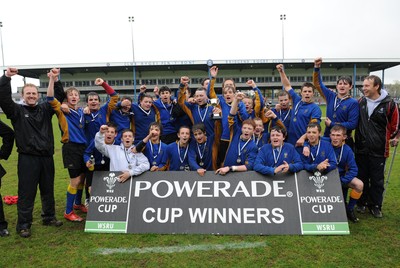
(347, 169)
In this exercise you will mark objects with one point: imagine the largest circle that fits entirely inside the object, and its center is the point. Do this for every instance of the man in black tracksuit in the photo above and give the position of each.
(7, 134)
(35, 142)
(378, 123)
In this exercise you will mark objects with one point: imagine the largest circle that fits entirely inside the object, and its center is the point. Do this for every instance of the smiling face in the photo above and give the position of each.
(146, 103)
(313, 135)
(259, 126)
(30, 95)
(370, 91)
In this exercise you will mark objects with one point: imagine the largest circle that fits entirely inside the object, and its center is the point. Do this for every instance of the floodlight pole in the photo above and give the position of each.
(283, 18)
(131, 20)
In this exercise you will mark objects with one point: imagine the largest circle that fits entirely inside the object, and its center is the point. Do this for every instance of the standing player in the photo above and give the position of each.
(74, 143)
(341, 108)
(304, 111)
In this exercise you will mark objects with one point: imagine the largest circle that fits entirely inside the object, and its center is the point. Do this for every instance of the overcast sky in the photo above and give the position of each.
(59, 32)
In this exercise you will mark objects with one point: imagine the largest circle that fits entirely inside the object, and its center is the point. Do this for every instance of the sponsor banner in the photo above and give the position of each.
(237, 203)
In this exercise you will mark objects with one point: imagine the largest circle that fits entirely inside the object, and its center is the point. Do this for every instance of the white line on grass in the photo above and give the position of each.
(174, 249)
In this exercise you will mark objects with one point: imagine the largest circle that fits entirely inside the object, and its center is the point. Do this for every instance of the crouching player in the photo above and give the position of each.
(277, 157)
(203, 150)
(320, 154)
(152, 147)
(347, 169)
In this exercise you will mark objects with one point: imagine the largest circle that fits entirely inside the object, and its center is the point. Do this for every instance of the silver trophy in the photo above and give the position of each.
(214, 103)
(268, 105)
(250, 93)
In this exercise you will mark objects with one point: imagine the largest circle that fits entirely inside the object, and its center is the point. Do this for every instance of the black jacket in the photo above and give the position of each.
(373, 133)
(32, 125)
(7, 135)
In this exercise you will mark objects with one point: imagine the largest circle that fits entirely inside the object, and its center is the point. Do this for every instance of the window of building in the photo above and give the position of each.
(83, 83)
(67, 84)
(44, 84)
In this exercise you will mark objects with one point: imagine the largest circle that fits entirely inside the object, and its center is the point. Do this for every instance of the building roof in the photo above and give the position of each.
(372, 64)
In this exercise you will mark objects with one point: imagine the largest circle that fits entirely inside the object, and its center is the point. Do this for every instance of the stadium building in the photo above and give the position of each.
(125, 77)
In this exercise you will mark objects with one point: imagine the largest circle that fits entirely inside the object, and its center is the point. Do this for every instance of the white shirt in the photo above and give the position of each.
(121, 158)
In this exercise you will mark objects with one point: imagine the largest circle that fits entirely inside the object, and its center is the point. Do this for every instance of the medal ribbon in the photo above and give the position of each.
(313, 158)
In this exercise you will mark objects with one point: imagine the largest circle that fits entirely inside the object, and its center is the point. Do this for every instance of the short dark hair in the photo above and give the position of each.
(90, 94)
(165, 88)
(156, 124)
(183, 127)
(126, 98)
(199, 126)
(226, 79)
(307, 84)
(113, 125)
(126, 130)
(313, 125)
(346, 79)
(145, 95)
(204, 80)
(279, 129)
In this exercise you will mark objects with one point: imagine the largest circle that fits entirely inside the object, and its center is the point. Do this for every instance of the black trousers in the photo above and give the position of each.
(34, 171)
(169, 138)
(3, 222)
(223, 147)
(371, 172)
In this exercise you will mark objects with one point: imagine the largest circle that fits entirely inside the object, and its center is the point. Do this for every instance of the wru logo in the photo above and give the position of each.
(318, 181)
(111, 179)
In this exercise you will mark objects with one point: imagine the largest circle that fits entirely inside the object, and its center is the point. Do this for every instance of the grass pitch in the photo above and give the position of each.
(372, 242)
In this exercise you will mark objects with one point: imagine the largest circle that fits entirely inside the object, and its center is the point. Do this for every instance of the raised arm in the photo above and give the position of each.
(285, 81)
(210, 90)
(317, 79)
(6, 102)
(258, 98)
(52, 75)
(235, 103)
